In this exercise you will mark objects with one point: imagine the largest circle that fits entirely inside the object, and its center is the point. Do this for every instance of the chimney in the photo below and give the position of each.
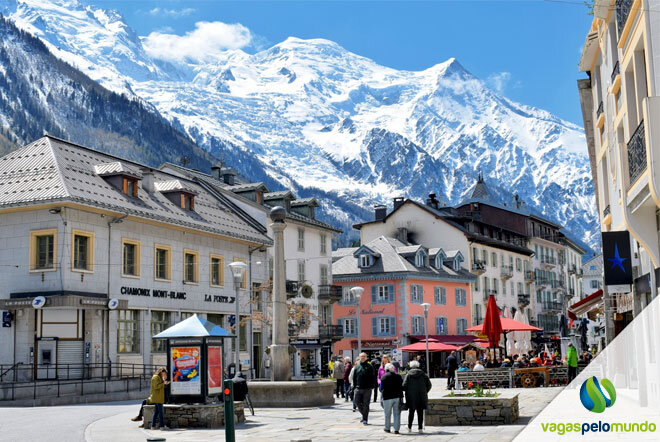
(431, 201)
(402, 235)
(215, 172)
(398, 202)
(148, 180)
(380, 212)
(228, 176)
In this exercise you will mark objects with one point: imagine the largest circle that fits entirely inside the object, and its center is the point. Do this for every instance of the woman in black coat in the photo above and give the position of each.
(417, 386)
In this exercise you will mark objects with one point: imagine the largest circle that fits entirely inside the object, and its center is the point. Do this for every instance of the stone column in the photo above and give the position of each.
(279, 351)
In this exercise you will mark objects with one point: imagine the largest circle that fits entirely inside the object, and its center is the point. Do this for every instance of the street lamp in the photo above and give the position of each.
(357, 294)
(426, 306)
(237, 270)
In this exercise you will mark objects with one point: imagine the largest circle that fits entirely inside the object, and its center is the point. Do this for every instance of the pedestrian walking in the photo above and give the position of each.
(364, 379)
(338, 374)
(572, 362)
(375, 363)
(157, 397)
(391, 385)
(381, 371)
(347, 384)
(416, 385)
(352, 381)
(452, 366)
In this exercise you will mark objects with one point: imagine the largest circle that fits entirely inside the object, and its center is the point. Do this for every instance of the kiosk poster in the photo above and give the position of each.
(185, 371)
(215, 369)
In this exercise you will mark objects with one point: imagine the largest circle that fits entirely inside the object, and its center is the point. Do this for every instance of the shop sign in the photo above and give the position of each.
(375, 344)
(219, 298)
(367, 312)
(138, 291)
(305, 342)
(18, 303)
(93, 302)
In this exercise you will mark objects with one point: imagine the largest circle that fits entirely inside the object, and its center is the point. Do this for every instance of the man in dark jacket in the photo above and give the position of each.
(392, 391)
(417, 386)
(347, 384)
(375, 363)
(452, 366)
(364, 380)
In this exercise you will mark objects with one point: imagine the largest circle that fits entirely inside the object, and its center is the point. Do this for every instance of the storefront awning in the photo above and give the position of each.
(447, 339)
(585, 305)
(60, 299)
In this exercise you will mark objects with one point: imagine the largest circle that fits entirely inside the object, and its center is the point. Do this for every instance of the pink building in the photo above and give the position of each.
(397, 278)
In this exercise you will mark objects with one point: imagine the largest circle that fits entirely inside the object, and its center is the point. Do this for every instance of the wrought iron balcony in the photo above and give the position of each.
(329, 293)
(548, 261)
(552, 306)
(541, 282)
(478, 267)
(331, 332)
(637, 153)
(523, 299)
(558, 285)
(506, 272)
(529, 276)
(615, 71)
(599, 110)
(606, 211)
(622, 11)
(572, 269)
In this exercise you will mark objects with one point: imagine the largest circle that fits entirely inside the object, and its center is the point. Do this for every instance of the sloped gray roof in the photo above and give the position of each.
(344, 251)
(172, 186)
(390, 261)
(116, 168)
(51, 169)
(237, 188)
(277, 195)
(304, 202)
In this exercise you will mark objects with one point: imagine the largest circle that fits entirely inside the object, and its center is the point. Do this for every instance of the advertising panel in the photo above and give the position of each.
(215, 369)
(185, 370)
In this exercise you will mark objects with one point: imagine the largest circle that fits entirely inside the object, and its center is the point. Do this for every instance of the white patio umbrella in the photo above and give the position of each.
(523, 340)
(510, 339)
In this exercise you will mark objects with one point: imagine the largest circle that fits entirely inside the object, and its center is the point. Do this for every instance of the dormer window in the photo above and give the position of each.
(187, 201)
(420, 257)
(438, 261)
(177, 193)
(365, 260)
(130, 186)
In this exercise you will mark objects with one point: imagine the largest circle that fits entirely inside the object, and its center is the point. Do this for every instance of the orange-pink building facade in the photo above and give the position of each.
(397, 278)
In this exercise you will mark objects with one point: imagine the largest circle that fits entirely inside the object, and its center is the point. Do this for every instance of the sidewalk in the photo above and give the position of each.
(336, 422)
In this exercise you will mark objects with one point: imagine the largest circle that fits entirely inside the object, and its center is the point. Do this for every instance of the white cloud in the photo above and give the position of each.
(205, 42)
(499, 80)
(172, 12)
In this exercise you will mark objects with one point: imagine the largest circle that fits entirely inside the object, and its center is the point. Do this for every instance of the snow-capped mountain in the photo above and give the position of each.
(316, 116)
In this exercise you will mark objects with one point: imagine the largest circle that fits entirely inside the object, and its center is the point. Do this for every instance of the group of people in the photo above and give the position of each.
(357, 380)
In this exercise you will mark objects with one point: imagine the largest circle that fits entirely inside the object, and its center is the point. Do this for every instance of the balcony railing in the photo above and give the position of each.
(552, 306)
(541, 282)
(572, 269)
(523, 299)
(550, 260)
(615, 71)
(606, 211)
(637, 154)
(490, 292)
(478, 267)
(506, 272)
(622, 11)
(331, 332)
(599, 110)
(529, 276)
(330, 293)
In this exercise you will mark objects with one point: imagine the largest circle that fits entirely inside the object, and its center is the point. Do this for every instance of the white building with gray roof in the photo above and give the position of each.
(82, 228)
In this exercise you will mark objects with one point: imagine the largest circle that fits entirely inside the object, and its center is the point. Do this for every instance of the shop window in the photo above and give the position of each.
(186, 315)
(162, 263)
(159, 322)
(128, 331)
(130, 258)
(217, 271)
(190, 267)
(440, 295)
(82, 256)
(43, 250)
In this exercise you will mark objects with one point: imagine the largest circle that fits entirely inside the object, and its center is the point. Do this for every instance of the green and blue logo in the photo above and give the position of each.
(592, 395)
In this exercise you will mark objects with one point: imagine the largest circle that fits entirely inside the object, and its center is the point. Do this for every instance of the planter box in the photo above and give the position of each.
(194, 415)
(466, 410)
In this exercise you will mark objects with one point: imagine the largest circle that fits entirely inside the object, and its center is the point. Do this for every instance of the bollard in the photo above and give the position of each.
(230, 435)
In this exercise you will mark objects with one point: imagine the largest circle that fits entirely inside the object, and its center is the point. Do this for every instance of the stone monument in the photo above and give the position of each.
(279, 351)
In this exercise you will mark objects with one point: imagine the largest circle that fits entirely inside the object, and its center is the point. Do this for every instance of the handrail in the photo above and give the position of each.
(13, 367)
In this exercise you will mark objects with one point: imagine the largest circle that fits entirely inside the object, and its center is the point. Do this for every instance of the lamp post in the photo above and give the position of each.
(426, 306)
(237, 270)
(357, 293)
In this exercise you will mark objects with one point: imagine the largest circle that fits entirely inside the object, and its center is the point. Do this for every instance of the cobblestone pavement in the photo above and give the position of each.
(336, 422)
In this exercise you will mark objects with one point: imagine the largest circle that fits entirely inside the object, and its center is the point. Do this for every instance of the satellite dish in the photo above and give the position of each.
(307, 291)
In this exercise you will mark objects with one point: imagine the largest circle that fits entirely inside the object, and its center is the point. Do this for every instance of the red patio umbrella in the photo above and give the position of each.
(508, 325)
(492, 326)
(433, 346)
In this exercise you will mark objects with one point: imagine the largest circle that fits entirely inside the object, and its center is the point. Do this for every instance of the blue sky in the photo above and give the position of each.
(529, 49)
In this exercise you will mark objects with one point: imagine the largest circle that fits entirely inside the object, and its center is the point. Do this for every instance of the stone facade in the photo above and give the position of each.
(194, 415)
(466, 410)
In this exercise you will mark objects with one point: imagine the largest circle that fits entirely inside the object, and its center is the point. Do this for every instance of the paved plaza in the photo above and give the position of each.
(110, 422)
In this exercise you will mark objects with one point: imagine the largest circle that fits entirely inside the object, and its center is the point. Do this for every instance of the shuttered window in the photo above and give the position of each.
(382, 294)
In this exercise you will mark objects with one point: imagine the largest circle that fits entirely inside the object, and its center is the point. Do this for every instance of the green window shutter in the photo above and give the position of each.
(374, 326)
(392, 326)
(390, 292)
(374, 294)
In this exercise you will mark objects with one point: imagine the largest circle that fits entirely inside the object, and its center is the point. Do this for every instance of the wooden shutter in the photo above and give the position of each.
(374, 326)
(420, 293)
(125, 186)
(390, 292)
(192, 202)
(374, 294)
(392, 326)
(135, 188)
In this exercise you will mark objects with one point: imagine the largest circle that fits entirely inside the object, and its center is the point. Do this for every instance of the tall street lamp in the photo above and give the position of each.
(426, 306)
(237, 270)
(357, 294)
